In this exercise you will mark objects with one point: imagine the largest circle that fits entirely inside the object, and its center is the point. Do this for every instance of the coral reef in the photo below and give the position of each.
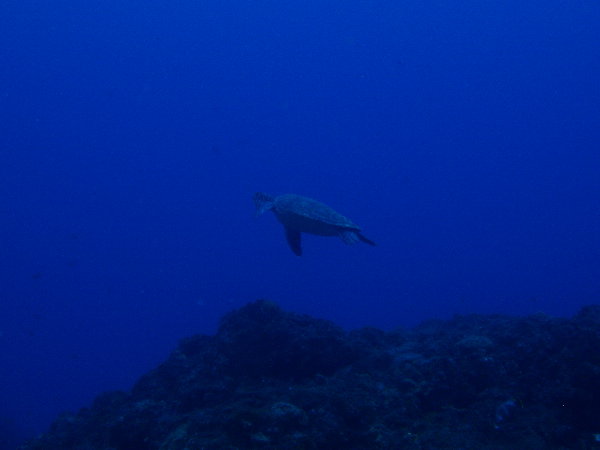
(271, 379)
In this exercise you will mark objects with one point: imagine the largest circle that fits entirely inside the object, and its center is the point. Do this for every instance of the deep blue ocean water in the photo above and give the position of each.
(463, 137)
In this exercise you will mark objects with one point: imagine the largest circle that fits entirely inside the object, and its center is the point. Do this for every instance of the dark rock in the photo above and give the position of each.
(261, 340)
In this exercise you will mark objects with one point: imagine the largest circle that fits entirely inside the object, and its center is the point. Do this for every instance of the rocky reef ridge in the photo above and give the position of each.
(271, 379)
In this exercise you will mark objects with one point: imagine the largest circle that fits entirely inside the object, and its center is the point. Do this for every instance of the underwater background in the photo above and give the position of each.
(463, 137)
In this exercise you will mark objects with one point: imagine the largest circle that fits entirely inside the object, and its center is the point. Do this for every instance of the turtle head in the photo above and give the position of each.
(263, 202)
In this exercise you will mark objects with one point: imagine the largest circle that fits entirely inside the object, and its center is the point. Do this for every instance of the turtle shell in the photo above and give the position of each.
(288, 205)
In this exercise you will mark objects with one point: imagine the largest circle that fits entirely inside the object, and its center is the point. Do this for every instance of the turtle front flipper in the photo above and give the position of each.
(294, 241)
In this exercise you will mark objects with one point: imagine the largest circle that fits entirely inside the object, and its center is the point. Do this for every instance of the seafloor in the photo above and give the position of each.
(271, 379)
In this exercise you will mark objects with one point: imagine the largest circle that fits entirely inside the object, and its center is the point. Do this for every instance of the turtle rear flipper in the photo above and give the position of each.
(348, 236)
(352, 237)
(263, 202)
(294, 240)
(366, 240)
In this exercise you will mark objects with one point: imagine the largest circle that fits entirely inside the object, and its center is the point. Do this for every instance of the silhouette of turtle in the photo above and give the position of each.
(304, 215)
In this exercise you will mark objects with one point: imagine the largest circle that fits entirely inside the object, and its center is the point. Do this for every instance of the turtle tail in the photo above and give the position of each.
(263, 202)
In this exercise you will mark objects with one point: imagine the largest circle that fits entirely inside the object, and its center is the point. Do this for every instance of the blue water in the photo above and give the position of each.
(463, 137)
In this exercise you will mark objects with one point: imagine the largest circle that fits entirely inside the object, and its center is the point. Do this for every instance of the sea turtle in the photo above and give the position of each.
(304, 215)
